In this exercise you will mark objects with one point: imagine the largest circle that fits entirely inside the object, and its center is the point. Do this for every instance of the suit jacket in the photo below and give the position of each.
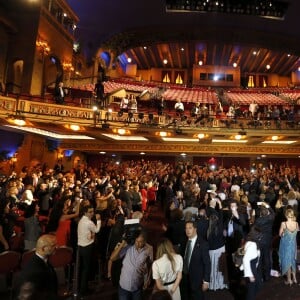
(199, 267)
(42, 276)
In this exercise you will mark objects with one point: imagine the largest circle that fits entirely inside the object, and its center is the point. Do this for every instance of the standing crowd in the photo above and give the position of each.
(210, 216)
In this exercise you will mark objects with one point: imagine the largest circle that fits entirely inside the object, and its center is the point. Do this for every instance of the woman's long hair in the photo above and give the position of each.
(213, 227)
(166, 247)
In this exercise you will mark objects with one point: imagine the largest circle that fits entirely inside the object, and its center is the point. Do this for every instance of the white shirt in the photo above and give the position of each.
(179, 106)
(86, 231)
(251, 252)
(193, 242)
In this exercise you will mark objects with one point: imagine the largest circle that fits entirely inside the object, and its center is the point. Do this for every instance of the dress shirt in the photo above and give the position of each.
(86, 231)
(193, 241)
(136, 265)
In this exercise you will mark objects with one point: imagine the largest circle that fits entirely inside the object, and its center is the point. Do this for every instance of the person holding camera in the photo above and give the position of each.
(136, 268)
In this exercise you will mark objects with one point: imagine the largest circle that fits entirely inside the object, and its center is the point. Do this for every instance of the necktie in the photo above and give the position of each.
(187, 256)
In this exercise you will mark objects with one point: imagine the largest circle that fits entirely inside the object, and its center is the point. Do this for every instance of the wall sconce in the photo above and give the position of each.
(60, 155)
(67, 66)
(43, 46)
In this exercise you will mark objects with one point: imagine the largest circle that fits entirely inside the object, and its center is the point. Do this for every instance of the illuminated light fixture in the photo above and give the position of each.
(65, 15)
(200, 63)
(279, 142)
(299, 69)
(254, 52)
(102, 152)
(68, 67)
(183, 154)
(95, 108)
(52, 134)
(216, 78)
(201, 136)
(145, 48)
(75, 127)
(110, 110)
(288, 55)
(43, 46)
(129, 60)
(163, 133)
(234, 65)
(238, 137)
(275, 138)
(165, 61)
(263, 155)
(15, 120)
(182, 49)
(142, 153)
(125, 138)
(268, 67)
(229, 141)
(167, 139)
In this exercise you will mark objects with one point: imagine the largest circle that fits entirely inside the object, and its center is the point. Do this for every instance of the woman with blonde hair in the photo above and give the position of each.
(288, 246)
(167, 269)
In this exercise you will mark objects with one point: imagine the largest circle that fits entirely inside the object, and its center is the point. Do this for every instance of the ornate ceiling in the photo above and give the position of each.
(215, 37)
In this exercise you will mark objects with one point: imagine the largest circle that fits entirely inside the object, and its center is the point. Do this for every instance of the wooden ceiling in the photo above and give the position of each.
(183, 55)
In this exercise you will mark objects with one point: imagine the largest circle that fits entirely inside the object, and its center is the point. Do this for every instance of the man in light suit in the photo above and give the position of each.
(196, 265)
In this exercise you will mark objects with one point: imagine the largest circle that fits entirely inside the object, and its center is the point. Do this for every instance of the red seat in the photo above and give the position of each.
(26, 256)
(61, 260)
(9, 262)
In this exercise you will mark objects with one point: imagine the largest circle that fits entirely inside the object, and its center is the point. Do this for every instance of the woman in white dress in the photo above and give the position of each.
(167, 269)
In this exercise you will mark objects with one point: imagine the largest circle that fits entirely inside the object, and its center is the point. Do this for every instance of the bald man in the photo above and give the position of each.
(38, 272)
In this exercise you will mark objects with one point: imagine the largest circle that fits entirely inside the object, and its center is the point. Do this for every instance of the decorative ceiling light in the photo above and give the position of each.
(200, 63)
(75, 127)
(145, 48)
(129, 60)
(183, 154)
(163, 133)
(274, 137)
(268, 67)
(201, 136)
(254, 53)
(165, 61)
(235, 65)
(102, 152)
(17, 120)
(121, 131)
(238, 137)
(142, 153)
(182, 49)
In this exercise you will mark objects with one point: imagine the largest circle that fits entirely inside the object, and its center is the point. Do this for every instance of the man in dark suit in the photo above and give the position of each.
(196, 265)
(59, 93)
(38, 273)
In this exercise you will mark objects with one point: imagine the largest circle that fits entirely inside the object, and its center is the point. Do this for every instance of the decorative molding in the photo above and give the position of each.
(179, 148)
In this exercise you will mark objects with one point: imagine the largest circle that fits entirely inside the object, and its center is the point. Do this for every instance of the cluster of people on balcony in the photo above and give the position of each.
(209, 215)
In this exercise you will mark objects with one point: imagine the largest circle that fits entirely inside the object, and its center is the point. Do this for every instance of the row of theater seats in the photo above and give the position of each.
(11, 262)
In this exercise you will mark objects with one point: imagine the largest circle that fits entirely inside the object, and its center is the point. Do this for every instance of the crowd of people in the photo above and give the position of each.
(102, 212)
